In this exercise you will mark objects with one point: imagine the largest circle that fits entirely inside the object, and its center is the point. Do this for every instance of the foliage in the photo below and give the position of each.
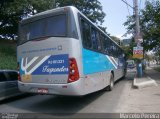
(103, 29)
(129, 49)
(150, 25)
(91, 8)
(157, 69)
(12, 11)
(149, 57)
(8, 55)
(117, 40)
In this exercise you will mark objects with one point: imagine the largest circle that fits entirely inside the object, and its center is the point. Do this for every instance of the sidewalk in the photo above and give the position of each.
(148, 79)
(142, 100)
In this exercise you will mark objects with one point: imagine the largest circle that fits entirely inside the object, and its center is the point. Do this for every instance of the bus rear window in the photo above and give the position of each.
(54, 26)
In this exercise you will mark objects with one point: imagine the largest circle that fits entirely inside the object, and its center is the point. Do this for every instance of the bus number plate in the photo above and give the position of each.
(42, 90)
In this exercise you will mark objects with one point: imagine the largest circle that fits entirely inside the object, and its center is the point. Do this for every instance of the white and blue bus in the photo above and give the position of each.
(62, 52)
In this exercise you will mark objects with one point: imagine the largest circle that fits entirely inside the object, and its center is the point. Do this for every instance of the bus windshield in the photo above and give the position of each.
(54, 26)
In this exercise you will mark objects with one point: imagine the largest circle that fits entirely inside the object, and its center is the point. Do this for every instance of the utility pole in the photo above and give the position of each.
(137, 28)
(137, 37)
(137, 51)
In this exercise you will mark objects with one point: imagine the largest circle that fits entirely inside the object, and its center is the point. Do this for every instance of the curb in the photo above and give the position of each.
(148, 83)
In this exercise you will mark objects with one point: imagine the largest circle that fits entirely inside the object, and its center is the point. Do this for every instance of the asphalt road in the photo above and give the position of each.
(99, 102)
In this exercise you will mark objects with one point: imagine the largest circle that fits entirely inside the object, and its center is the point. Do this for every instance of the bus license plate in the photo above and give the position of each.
(42, 90)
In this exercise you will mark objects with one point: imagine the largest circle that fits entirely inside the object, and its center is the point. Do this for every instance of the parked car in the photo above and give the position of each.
(8, 84)
(130, 64)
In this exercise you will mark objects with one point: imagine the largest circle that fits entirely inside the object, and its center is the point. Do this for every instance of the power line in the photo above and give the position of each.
(127, 8)
(127, 4)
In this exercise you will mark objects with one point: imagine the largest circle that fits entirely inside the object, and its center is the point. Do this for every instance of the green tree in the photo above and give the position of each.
(91, 8)
(12, 11)
(129, 49)
(150, 25)
(117, 40)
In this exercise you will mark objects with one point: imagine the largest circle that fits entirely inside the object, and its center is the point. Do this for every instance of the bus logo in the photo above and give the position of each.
(45, 65)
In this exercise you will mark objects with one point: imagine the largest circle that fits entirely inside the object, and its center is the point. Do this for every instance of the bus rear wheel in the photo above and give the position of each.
(111, 85)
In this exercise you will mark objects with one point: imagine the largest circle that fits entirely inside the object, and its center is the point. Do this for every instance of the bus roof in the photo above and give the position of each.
(48, 12)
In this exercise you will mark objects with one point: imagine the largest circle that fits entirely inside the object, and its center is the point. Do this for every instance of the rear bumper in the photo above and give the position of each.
(74, 89)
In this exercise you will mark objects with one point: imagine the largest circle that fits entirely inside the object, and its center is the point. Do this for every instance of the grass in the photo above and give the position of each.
(157, 68)
(8, 55)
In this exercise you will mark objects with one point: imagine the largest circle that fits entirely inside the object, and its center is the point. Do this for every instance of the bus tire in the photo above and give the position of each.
(111, 85)
(124, 74)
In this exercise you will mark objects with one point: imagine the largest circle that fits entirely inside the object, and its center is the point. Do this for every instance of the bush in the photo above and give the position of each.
(157, 69)
(8, 55)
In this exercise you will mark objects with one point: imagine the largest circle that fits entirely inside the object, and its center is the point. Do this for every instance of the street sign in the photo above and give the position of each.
(138, 52)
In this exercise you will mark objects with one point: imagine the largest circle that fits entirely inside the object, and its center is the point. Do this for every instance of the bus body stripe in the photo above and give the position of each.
(24, 68)
(113, 62)
(94, 62)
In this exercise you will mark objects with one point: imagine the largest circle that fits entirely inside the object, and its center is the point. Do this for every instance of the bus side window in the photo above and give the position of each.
(109, 46)
(86, 34)
(96, 44)
(93, 38)
(102, 41)
(114, 50)
(98, 40)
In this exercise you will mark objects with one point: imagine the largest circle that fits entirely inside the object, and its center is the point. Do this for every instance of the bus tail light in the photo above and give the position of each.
(18, 66)
(19, 77)
(73, 70)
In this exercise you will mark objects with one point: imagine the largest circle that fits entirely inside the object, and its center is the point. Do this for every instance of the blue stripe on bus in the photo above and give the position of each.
(94, 62)
(21, 72)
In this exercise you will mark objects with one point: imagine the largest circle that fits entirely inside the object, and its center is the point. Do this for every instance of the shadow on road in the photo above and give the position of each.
(66, 105)
(19, 97)
(55, 105)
